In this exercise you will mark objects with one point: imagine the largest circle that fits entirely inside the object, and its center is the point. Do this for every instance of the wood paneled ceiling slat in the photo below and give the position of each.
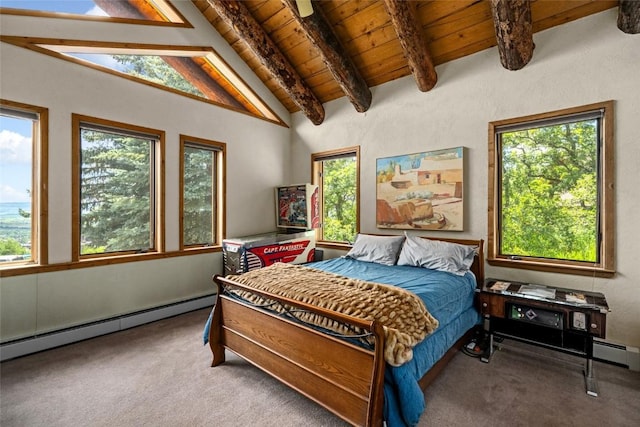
(452, 29)
(387, 65)
(443, 45)
(266, 9)
(276, 21)
(288, 36)
(379, 33)
(545, 17)
(434, 12)
(478, 14)
(354, 21)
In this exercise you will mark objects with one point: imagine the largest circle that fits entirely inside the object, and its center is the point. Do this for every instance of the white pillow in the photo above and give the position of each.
(437, 255)
(380, 249)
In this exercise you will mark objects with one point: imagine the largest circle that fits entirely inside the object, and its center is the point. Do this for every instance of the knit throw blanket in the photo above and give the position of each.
(402, 314)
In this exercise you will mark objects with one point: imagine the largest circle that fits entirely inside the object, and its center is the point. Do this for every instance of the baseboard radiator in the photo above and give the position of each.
(617, 354)
(602, 350)
(25, 346)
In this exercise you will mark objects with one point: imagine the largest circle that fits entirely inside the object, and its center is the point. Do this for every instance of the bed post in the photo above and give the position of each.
(215, 330)
(376, 396)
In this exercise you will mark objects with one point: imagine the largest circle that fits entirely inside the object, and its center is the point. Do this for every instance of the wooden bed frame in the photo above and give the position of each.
(344, 378)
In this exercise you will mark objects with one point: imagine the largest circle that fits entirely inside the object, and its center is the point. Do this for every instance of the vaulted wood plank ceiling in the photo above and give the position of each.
(381, 40)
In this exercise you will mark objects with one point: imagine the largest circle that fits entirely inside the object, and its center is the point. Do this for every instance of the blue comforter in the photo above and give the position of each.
(449, 298)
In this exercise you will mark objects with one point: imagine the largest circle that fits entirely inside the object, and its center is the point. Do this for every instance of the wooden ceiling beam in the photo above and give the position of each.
(514, 32)
(333, 54)
(629, 16)
(236, 15)
(416, 49)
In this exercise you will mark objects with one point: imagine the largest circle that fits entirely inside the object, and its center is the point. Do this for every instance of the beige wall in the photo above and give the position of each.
(579, 63)
(257, 161)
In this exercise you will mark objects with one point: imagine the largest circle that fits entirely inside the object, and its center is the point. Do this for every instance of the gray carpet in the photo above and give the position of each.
(530, 386)
(159, 375)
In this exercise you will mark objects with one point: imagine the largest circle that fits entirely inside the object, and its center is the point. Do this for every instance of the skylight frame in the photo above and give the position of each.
(59, 47)
(164, 7)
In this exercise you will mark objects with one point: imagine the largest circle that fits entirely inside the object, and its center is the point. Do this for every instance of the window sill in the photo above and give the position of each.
(20, 270)
(579, 270)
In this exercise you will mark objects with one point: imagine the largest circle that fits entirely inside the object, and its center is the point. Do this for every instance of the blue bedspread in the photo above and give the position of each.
(449, 298)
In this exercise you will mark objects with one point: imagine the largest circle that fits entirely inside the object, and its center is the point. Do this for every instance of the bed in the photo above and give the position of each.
(342, 361)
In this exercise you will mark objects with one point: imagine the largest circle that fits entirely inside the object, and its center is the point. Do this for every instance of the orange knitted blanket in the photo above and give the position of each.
(403, 315)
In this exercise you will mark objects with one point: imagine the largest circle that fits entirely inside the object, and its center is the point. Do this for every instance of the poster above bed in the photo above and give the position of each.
(421, 191)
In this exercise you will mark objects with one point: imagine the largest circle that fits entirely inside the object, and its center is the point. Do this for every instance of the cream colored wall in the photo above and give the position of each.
(257, 161)
(579, 63)
(39, 303)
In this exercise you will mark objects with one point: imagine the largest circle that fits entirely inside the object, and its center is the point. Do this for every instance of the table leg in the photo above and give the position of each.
(486, 356)
(590, 380)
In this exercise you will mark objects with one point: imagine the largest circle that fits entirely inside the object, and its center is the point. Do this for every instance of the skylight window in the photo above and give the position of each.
(148, 67)
(79, 7)
(196, 72)
(152, 11)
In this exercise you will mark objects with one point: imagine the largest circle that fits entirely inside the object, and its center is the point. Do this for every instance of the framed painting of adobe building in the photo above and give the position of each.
(421, 191)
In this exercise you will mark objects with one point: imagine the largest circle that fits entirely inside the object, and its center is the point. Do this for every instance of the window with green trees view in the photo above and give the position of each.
(551, 190)
(202, 178)
(196, 72)
(337, 175)
(118, 186)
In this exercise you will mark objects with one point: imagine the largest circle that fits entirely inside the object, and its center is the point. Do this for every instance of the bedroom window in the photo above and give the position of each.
(192, 71)
(23, 184)
(202, 180)
(118, 205)
(551, 191)
(150, 12)
(337, 174)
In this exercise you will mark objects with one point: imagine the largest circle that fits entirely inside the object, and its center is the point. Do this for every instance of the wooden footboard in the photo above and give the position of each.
(344, 378)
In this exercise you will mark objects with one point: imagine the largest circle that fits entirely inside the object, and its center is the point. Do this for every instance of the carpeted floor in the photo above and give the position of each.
(530, 386)
(159, 375)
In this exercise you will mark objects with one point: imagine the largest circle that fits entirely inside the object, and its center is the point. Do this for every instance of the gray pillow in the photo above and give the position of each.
(380, 249)
(437, 255)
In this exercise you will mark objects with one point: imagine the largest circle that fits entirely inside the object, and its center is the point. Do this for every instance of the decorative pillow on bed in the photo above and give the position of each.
(380, 249)
(437, 255)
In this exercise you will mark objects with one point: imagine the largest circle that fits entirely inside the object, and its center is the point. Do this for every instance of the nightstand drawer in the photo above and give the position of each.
(491, 305)
(597, 324)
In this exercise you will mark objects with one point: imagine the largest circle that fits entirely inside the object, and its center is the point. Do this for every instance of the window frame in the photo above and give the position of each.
(316, 178)
(605, 267)
(173, 17)
(220, 188)
(211, 69)
(39, 184)
(157, 192)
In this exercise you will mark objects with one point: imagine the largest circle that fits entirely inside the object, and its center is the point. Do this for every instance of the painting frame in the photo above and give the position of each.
(421, 191)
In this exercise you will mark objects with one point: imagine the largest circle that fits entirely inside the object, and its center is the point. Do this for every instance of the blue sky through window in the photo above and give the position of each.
(82, 7)
(101, 59)
(15, 159)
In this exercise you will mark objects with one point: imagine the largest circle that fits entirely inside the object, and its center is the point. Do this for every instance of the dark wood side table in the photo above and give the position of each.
(560, 319)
